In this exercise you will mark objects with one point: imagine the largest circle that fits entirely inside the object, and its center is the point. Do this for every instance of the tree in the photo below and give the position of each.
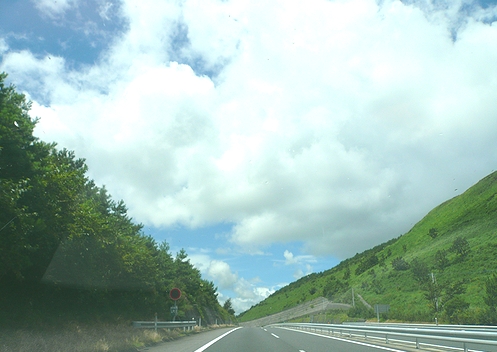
(17, 154)
(454, 307)
(420, 270)
(461, 247)
(229, 307)
(400, 264)
(366, 264)
(454, 303)
(16, 130)
(441, 261)
(433, 292)
(67, 248)
(433, 233)
(490, 299)
(333, 287)
(346, 273)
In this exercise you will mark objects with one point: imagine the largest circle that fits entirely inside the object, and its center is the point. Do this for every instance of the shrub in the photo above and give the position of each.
(441, 261)
(460, 246)
(433, 233)
(420, 270)
(400, 264)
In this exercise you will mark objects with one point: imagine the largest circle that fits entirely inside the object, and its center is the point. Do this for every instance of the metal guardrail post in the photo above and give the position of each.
(386, 338)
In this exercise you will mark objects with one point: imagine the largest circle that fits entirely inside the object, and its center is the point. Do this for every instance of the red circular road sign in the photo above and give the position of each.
(175, 294)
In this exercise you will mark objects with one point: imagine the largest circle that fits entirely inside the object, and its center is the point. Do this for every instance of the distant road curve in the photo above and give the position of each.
(317, 305)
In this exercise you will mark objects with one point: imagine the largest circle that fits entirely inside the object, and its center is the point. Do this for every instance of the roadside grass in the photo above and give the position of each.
(80, 338)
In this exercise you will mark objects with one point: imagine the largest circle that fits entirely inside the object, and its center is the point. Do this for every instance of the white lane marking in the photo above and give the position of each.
(345, 340)
(265, 329)
(301, 351)
(275, 335)
(208, 344)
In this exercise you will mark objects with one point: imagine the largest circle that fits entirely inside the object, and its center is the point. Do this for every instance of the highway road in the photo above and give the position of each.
(256, 339)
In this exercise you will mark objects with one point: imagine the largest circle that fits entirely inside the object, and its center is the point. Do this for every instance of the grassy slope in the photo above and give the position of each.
(472, 215)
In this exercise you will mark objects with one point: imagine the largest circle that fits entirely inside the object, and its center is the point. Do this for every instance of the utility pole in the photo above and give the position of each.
(435, 291)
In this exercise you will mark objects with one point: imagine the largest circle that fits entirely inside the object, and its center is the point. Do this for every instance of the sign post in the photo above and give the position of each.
(175, 294)
(381, 308)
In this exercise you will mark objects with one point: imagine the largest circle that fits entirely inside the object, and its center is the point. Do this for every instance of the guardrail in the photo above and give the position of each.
(165, 324)
(441, 337)
(485, 328)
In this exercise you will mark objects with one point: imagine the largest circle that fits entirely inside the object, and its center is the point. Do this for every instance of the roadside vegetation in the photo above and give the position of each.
(70, 255)
(84, 338)
(445, 267)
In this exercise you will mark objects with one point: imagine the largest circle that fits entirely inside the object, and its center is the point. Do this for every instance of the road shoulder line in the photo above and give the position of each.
(210, 343)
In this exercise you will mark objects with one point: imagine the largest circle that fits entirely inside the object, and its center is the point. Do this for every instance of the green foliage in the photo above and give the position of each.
(460, 247)
(346, 274)
(490, 298)
(360, 311)
(229, 307)
(420, 271)
(366, 264)
(68, 249)
(489, 315)
(400, 264)
(433, 233)
(454, 309)
(441, 261)
(433, 293)
(334, 287)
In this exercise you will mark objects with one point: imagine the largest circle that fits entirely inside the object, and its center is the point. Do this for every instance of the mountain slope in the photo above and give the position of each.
(445, 260)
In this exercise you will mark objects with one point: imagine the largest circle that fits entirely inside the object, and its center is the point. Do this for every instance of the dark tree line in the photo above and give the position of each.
(68, 249)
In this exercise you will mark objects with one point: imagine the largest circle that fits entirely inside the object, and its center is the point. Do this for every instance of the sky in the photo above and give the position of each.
(269, 139)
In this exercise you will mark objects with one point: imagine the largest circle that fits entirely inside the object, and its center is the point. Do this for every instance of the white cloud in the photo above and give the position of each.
(3, 46)
(336, 124)
(218, 271)
(104, 10)
(248, 294)
(291, 259)
(222, 274)
(301, 262)
(298, 274)
(54, 8)
(201, 261)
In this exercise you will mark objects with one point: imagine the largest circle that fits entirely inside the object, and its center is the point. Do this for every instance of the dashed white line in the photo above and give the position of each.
(275, 335)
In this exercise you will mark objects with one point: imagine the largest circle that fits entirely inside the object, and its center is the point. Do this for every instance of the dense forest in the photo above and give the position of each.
(68, 250)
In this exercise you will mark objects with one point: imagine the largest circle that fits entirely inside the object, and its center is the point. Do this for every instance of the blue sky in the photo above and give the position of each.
(269, 140)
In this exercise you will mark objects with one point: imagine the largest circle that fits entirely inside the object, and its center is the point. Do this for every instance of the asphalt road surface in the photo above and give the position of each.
(255, 339)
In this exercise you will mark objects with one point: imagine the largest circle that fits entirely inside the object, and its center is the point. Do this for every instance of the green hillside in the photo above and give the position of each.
(456, 241)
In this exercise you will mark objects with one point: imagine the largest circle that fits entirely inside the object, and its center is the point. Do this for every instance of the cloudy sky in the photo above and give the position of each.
(270, 139)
